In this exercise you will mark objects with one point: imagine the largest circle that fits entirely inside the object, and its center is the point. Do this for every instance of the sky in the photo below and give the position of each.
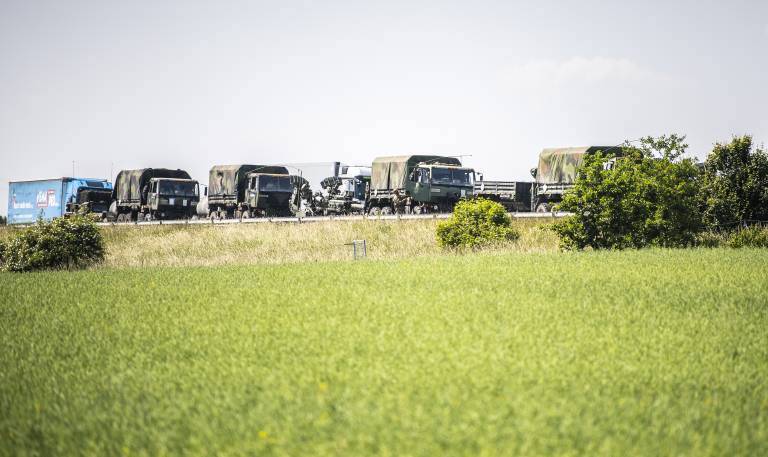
(189, 84)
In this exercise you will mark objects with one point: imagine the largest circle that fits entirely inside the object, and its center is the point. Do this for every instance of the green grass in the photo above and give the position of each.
(612, 353)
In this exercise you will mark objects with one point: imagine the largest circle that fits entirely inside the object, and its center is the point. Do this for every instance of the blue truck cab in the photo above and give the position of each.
(51, 198)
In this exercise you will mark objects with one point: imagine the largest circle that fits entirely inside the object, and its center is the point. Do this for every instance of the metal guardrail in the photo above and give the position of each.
(301, 220)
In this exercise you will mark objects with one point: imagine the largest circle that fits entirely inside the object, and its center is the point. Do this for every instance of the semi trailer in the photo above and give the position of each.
(47, 199)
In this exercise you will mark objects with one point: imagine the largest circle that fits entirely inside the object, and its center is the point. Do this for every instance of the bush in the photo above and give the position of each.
(734, 186)
(476, 223)
(750, 237)
(62, 243)
(648, 198)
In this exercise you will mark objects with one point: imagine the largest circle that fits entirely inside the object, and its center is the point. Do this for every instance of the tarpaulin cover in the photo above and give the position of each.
(227, 182)
(559, 165)
(129, 183)
(390, 173)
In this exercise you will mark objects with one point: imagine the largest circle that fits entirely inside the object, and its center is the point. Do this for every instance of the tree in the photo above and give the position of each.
(734, 187)
(3, 220)
(647, 197)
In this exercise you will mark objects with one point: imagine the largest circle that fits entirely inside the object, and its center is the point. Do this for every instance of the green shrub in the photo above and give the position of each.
(476, 223)
(648, 198)
(62, 243)
(750, 237)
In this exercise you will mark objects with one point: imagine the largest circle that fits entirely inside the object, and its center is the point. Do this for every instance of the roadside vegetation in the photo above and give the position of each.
(649, 195)
(64, 243)
(477, 224)
(647, 352)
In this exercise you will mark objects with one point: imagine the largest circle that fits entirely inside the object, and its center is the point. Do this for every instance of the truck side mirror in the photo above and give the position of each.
(534, 171)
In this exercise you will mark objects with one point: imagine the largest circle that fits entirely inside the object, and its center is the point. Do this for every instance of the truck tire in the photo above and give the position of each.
(543, 208)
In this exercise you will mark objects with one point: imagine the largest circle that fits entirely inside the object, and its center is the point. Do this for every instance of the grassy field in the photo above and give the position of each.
(130, 246)
(650, 352)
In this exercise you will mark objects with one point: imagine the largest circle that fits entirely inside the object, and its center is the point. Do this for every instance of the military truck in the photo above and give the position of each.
(90, 201)
(513, 195)
(346, 193)
(153, 193)
(418, 184)
(243, 191)
(556, 174)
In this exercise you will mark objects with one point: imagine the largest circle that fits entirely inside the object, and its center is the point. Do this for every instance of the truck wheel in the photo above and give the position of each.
(386, 211)
(246, 214)
(542, 208)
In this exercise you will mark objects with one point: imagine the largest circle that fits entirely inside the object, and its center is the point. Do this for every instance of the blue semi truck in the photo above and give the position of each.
(57, 197)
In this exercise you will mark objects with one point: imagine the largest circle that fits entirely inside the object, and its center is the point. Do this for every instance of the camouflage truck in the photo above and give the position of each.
(153, 193)
(347, 193)
(243, 191)
(418, 184)
(556, 174)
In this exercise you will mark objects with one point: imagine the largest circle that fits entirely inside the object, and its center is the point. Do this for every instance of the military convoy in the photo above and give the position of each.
(408, 184)
(153, 193)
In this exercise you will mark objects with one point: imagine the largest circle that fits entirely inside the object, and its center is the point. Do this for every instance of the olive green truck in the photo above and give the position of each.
(418, 184)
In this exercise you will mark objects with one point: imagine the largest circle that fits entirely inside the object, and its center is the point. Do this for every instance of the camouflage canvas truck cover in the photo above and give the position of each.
(418, 183)
(148, 193)
(556, 173)
(228, 188)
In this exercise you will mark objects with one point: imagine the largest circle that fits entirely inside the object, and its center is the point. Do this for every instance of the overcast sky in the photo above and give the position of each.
(187, 84)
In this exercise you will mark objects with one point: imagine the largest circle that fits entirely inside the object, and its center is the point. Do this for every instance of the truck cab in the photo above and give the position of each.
(441, 185)
(171, 198)
(90, 200)
(268, 194)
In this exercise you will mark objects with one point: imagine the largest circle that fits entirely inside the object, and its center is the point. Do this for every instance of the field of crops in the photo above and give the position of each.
(653, 352)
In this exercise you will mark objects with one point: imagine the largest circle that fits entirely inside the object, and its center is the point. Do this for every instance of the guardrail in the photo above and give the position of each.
(302, 220)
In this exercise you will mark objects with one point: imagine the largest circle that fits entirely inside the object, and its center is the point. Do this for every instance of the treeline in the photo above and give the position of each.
(650, 195)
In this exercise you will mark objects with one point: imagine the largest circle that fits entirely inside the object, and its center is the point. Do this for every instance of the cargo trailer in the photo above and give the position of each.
(47, 199)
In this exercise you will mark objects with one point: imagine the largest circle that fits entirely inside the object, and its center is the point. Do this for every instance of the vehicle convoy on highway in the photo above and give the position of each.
(407, 184)
(243, 191)
(418, 184)
(153, 193)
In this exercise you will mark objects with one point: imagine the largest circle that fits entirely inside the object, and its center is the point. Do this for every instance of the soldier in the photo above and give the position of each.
(398, 201)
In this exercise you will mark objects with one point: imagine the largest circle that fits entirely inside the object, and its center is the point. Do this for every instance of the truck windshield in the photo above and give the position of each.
(180, 188)
(455, 177)
(275, 183)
